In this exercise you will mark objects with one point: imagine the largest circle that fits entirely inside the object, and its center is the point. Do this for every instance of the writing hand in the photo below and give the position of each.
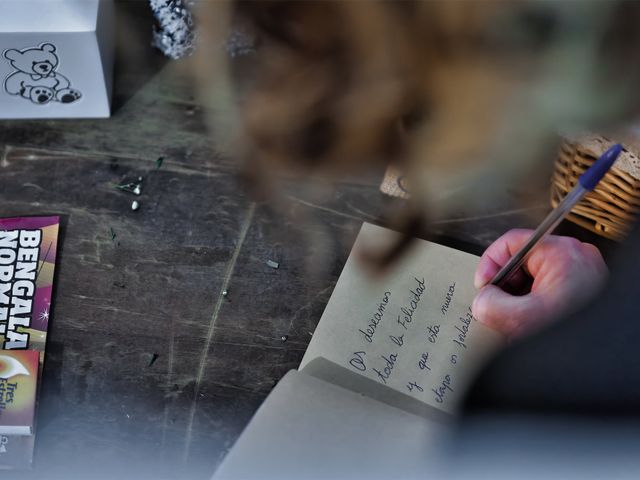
(561, 274)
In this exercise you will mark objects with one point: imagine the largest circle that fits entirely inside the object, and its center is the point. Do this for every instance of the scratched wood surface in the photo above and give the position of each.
(151, 372)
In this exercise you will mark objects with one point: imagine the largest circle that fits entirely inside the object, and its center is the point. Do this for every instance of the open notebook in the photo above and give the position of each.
(386, 368)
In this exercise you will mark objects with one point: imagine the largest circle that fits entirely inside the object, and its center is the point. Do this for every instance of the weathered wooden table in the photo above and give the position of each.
(151, 372)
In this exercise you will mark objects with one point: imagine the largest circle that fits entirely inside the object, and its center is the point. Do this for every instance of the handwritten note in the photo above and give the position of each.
(411, 329)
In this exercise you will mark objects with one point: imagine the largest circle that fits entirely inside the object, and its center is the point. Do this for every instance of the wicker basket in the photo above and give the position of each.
(611, 208)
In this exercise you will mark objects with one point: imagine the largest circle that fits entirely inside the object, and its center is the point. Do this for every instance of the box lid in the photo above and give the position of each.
(48, 15)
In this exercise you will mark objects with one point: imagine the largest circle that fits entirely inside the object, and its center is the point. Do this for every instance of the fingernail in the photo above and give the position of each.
(480, 276)
(480, 302)
(474, 307)
(479, 280)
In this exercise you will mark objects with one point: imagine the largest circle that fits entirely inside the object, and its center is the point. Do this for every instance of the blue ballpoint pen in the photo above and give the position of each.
(586, 183)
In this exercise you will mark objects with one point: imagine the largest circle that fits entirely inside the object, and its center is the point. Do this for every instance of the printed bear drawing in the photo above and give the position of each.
(35, 77)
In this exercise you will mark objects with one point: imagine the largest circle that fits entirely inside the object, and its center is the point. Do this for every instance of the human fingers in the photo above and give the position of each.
(509, 314)
(498, 254)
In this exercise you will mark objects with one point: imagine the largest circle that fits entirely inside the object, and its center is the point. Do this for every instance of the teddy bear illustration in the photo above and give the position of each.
(34, 76)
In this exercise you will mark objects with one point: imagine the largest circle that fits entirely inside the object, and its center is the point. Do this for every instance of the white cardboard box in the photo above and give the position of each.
(56, 58)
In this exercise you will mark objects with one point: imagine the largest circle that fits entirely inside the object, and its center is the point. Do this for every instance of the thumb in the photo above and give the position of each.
(509, 314)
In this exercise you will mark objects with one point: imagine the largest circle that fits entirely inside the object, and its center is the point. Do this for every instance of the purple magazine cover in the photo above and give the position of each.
(28, 247)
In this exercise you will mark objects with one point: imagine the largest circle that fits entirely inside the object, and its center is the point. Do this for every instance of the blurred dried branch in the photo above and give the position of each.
(464, 95)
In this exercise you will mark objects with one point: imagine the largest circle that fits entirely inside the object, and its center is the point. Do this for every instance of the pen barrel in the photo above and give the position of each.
(545, 228)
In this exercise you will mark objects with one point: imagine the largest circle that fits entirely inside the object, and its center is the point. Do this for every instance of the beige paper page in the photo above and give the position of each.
(410, 329)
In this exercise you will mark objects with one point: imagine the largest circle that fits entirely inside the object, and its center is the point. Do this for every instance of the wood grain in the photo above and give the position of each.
(151, 372)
